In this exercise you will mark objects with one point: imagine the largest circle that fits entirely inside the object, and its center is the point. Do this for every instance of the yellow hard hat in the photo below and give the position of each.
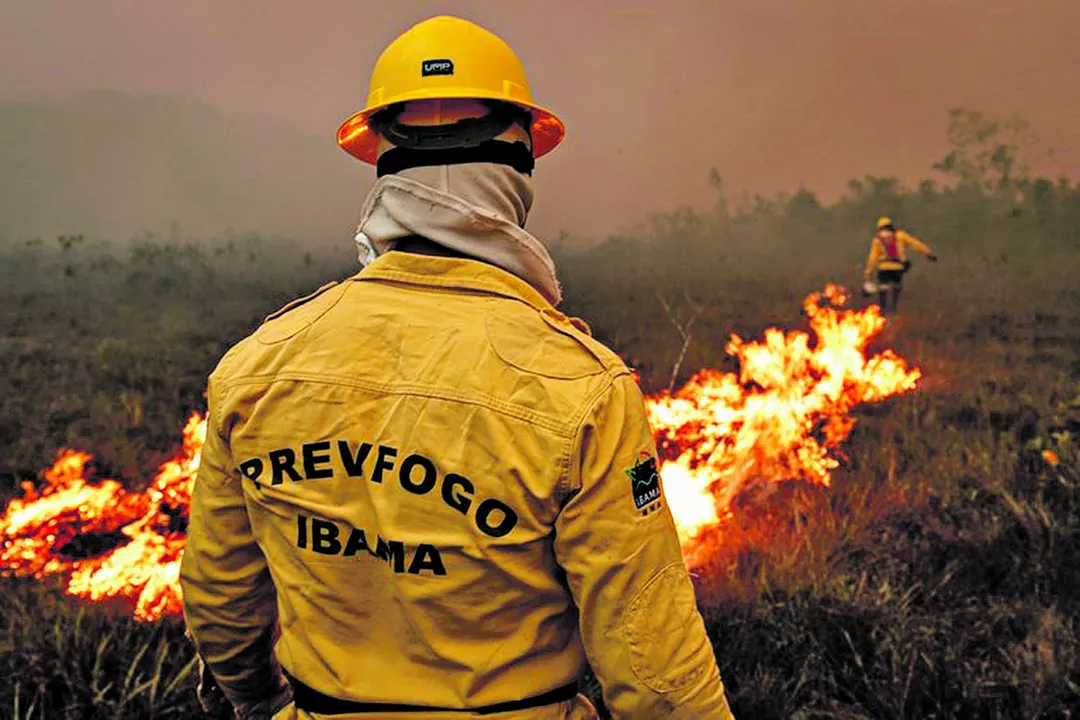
(447, 58)
(884, 222)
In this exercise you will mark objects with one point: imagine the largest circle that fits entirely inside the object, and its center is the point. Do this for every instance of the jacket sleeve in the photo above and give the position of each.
(876, 251)
(640, 625)
(914, 243)
(229, 600)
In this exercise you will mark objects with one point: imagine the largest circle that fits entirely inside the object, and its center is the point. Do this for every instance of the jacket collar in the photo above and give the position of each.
(449, 272)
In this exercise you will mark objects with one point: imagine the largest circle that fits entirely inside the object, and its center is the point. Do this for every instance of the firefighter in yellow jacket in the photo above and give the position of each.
(425, 492)
(888, 261)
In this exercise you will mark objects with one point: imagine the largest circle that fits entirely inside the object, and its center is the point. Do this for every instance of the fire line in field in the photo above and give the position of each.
(38, 530)
(781, 418)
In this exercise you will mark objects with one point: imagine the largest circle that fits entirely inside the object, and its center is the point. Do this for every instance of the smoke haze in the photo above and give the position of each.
(223, 115)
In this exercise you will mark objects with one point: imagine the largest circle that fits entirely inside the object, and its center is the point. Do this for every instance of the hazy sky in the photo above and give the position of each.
(773, 93)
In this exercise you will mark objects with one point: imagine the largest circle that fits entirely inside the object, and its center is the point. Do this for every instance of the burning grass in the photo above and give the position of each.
(781, 419)
(108, 543)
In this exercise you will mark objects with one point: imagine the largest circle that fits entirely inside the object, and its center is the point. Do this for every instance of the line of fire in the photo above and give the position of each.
(781, 419)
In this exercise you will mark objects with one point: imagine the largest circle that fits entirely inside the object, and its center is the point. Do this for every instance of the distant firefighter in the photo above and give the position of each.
(888, 261)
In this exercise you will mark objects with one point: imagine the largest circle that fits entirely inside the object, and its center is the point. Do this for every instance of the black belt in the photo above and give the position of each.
(310, 700)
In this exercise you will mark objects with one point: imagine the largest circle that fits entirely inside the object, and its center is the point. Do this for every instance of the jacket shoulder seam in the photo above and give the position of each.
(293, 304)
(566, 484)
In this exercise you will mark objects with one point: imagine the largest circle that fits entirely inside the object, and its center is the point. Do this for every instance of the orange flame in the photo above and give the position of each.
(780, 419)
(38, 530)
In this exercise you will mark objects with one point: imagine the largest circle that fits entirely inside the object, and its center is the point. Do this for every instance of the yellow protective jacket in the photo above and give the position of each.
(445, 491)
(879, 256)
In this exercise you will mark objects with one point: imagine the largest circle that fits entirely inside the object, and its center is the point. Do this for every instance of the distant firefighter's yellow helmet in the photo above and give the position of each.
(884, 222)
(447, 58)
